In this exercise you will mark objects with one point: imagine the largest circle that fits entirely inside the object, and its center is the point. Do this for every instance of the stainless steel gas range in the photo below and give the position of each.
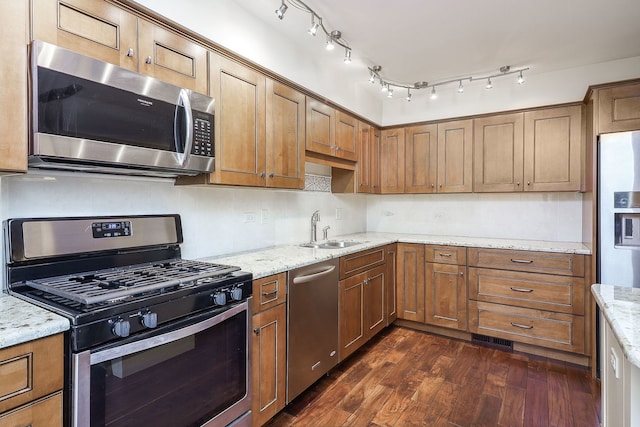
(155, 340)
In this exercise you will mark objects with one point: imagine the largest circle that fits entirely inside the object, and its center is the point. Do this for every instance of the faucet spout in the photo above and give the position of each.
(315, 217)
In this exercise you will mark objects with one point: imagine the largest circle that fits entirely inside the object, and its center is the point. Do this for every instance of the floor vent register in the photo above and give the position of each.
(499, 343)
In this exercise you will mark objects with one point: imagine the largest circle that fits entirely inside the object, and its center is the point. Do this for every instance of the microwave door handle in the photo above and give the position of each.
(185, 101)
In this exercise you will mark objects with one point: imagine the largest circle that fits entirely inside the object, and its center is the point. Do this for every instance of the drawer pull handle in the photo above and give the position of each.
(447, 255)
(518, 325)
(266, 294)
(522, 261)
(528, 291)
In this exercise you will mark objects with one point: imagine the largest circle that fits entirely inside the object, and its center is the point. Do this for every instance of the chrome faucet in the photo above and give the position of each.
(315, 217)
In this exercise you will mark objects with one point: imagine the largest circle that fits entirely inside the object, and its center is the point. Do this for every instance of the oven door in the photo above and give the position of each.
(194, 373)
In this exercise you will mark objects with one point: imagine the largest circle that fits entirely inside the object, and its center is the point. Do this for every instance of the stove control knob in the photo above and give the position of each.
(236, 294)
(149, 319)
(220, 298)
(121, 328)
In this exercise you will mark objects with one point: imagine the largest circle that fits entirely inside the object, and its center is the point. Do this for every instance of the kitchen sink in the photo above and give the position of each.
(331, 244)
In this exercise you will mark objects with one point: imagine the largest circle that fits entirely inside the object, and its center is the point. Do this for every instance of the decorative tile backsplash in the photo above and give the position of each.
(317, 183)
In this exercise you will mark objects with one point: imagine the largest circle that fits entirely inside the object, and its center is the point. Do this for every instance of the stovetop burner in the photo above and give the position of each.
(117, 283)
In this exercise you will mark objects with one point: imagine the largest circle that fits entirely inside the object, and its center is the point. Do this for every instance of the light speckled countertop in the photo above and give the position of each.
(273, 260)
(621, 308)
(21, 322)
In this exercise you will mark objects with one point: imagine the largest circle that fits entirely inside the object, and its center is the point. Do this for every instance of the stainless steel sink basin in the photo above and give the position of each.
(331, 244)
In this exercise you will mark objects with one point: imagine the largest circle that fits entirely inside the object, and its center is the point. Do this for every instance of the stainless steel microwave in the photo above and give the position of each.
(93, 116)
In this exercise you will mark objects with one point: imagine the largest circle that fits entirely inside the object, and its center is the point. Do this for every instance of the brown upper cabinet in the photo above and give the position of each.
(106, 32)
(13, 86)
(619, 108)
(392, 156)
(259, 129)
(455, 156)
(367, 169)
(330, 132)
(421, 159)
(539, 150)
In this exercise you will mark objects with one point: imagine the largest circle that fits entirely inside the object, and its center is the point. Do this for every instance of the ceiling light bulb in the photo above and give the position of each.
(390, 93)
(372, 78)
(384, 87)
(281, 10)
(489, 85)
(520, 78)
(314, 26)
(347, 56)
(408, 98)
(434, 95)
(460, 87)
(330, 45)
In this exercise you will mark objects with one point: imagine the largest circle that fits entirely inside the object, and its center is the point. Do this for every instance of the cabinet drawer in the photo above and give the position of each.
(445, 254)
(544, 328)
(269, 291)
(541, 291)
(536, 262)
(43, 413)
(361, 261)
(30, 371)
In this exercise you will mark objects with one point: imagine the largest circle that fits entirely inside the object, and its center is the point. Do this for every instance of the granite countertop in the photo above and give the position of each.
(21, 322)
(621, 308)
(273, 260)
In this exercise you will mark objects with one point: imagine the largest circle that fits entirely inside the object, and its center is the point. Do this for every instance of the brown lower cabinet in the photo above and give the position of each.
(31, 383)
(269, 351)
(410, 282)
(446, 286)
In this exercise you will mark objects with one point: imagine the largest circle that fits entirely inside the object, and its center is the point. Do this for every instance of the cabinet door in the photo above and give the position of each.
(498, 144)
(94, 28)
(392, 161)
(321, 121)
(239, 123)
(346, 136)
(43, 413)
(446, 295)
(13, 86)
(410, 282)
(374, 301)
(365, 149)
(285, 124)
(553, 149)
(455, 156)
(390, 285)
(171, 58)
(619, 108)
(421, 159)
(374, 162)
(352, 321)
(269, 363)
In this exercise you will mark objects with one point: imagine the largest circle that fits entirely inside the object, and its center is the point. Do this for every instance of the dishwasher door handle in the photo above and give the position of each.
(311, 277)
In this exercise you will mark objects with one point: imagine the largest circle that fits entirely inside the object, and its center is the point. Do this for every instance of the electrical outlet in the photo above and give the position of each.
(339, 214)
(249, 217)
(264, 216)
(614, 360)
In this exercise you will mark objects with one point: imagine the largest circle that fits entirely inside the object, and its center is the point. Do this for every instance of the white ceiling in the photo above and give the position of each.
(428, 40)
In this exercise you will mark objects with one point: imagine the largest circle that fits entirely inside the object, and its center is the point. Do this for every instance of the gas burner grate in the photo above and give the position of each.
(116, 283)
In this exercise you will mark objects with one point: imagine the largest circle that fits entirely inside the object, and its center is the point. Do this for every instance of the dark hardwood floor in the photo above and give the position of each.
(410, 378)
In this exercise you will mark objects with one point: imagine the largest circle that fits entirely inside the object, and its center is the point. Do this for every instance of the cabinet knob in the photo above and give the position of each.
(440, 185)
(262, 174)
(256, 331)
(528, 183)
(461, 273)
(148, 59)
(518, 183)
(130, 52)
(433, 185)
(271, 175)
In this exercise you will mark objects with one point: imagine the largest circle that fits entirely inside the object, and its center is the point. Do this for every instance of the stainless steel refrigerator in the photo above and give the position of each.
(619, 209)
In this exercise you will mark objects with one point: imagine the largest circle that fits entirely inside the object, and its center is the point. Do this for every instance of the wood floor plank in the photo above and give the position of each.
(410, 378)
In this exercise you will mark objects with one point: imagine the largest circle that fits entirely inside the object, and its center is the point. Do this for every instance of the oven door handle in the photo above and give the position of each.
(170, 336)
(184, 100)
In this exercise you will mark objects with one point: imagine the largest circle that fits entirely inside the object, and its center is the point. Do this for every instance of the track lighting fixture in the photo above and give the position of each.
(347, 56)
(372, 77)
(389, 92)
(313, 29)
(460, 87)
(384, 87)
(520, 78)
(488, 85)
(281, 10)
(329, 45)
(408, 98)
(434, 95)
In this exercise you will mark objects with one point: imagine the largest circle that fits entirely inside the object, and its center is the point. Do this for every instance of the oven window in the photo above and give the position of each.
(182, 383)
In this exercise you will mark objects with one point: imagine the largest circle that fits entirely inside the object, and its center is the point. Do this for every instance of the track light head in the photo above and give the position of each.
(313, 29)
(347, 56)
(488, 85)
(389, 93)
(408, 98)
(520, 78)
(460, 87)
(330, 45)
(281, 10)
(434, 94)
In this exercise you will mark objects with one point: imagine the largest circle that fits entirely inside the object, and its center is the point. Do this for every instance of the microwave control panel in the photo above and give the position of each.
(202, 135)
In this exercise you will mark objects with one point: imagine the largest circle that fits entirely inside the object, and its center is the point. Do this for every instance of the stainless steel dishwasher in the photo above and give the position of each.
(312, 344)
